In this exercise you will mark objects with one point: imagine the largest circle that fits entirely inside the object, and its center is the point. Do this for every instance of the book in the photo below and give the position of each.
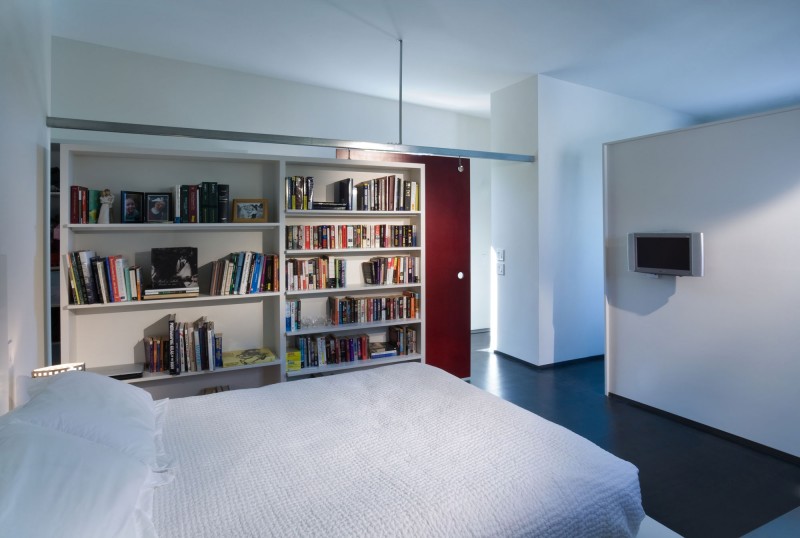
(74, 204)
(94, 206)
(99, 273)
(79, 205)
(168, 291)
(209, 345)
(293, 359)
(209, 201)
(308, 192)
(85, 257)
(223, 202)
(173, 267)
(192, 204)
(218, 350)
(343, 192)
(173, 363)
(368, 270)
(380, 350)
(121, 271)
(244, 357)
(336, 206)
(72, 279)
(172, 295)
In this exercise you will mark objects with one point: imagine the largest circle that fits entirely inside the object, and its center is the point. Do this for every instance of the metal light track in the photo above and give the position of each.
(211, 134)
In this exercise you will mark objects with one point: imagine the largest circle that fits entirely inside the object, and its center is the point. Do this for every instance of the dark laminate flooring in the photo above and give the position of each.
(695, 483)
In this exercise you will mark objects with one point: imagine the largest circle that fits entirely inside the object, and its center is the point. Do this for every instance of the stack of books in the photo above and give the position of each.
(173, 273)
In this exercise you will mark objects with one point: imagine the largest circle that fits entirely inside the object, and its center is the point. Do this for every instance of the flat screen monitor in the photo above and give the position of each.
(666, 253)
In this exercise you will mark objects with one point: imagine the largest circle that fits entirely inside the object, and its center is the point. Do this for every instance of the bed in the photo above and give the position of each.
(400, 450)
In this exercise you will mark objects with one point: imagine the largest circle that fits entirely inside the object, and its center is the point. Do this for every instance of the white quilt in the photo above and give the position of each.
(401, 450)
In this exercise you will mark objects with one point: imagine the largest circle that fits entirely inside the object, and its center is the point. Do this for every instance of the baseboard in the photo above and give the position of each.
(558, 364)
(764, 449)
(479, 331)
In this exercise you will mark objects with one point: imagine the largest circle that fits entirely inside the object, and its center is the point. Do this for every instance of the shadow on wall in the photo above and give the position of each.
(642, 294)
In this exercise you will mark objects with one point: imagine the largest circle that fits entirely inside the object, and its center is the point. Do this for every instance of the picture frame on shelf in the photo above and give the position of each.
(157, 207)
(132, 208)
(250, 210)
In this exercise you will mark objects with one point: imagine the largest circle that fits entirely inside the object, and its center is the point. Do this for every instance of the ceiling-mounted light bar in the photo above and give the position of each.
(211, 134)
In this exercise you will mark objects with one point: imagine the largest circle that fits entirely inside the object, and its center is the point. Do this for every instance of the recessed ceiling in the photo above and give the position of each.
(710, 59)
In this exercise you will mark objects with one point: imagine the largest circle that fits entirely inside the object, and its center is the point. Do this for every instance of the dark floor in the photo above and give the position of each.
(695, 483)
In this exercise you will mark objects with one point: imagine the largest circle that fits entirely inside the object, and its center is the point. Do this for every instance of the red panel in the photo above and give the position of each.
(447, 298)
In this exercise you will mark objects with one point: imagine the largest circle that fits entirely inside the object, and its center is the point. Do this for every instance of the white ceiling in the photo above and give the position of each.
(707, 58)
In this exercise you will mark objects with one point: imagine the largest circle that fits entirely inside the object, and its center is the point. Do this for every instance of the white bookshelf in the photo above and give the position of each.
(314, 302)
(112, 333)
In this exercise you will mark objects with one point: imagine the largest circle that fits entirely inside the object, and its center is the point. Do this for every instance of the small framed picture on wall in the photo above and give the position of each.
(250, 210)
(157, 207)
(131, 207)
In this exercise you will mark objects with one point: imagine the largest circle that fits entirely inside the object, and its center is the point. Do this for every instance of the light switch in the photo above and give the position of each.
(501, 254)
(501, 268)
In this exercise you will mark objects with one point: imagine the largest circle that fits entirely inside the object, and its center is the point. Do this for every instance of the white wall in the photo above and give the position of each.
(721, 350)
(480, 201)
(24, 96)
(101, 83)
(514, 193)
(550, 303)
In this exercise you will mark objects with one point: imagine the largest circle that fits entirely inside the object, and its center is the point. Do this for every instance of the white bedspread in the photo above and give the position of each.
(402, 450)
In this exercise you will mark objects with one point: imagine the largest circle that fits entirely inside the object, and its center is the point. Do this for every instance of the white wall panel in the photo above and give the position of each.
(723, 349)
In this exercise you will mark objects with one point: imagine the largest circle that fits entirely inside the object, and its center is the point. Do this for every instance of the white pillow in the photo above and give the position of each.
(55, 484)
(99, 409)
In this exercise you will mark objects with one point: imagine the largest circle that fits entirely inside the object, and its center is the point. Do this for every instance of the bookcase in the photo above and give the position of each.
(316, 303)
(103, 334)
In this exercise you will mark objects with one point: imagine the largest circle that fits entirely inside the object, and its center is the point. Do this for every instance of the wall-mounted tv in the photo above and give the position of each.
(666, 253)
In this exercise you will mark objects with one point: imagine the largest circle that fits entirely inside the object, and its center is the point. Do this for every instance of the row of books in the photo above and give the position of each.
(322, 350)
(349, 310)
(346, 310)
(313, 351)
(299, 192)
(84, 205)
(315, 273)
(96, 279)
(206, 202)
(245, 272)
(404, 340)
(388, 193)
(111, 279)
(391, 270)
(187, 347)
(341, 236)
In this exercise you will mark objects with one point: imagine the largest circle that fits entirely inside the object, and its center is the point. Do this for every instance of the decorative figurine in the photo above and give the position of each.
(106, 199)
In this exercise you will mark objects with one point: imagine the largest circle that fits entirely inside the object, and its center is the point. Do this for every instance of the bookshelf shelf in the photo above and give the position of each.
(332, 368)
(171, 228)
(164, 377)
(352, 327)
(369, 288)
(348, 214)
(161, 303)
(354, 251)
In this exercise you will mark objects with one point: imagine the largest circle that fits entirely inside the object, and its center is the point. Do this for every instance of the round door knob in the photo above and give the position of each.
(460, 275)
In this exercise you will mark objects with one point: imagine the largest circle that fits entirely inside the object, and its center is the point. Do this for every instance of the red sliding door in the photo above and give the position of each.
(447, 269)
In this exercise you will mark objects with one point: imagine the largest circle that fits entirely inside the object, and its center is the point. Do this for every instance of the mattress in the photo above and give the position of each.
(401, 450)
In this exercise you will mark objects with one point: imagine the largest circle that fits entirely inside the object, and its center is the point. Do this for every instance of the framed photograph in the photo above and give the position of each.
(157, 207)
(250, 210)
(173, 268)
(131, 207)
